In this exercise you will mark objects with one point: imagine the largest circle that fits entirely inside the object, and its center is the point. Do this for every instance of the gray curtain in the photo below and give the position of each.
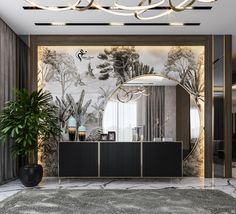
(22, 65)
(8, 165)
(155, 113)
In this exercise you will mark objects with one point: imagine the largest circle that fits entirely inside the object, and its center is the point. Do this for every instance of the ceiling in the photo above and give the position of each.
(219, 20)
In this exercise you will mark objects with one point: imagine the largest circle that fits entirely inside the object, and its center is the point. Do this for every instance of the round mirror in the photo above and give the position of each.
(153, 108)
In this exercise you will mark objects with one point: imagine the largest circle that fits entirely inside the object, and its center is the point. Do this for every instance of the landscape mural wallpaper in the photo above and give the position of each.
(81, 79)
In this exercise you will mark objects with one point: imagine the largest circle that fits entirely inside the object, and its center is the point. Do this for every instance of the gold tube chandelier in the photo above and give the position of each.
(117, 8)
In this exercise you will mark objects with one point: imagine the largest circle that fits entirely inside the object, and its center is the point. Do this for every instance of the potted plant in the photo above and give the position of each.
(28, 119)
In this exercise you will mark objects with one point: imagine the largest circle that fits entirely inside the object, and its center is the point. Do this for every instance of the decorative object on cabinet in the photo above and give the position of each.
(82, 133)
(95, 134)
(72, 128)
(138, 133)
(111, 136)
(104, 137)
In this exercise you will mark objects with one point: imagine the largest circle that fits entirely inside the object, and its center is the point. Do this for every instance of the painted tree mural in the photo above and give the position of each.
(180, 62)
(82, 78)
(79, 110)
(62, 69)
(121, 62)
(89, 72)
(99, 106)
(195, 80)
(43, 69)
(182, 65)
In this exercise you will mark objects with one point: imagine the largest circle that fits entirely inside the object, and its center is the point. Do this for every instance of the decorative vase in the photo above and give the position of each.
(72, 134)
(82, 133)
(72, 128)
(31, 175)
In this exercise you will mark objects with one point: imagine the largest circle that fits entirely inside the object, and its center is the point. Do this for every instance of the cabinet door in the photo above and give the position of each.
(78, 159)
(162, 159)
(120, 159)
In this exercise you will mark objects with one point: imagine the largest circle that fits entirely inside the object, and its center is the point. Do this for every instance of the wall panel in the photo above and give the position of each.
(206, 149)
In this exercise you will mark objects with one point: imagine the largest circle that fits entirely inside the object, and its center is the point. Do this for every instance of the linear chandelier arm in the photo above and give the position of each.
(147, 18)
(182, 7)
(90, 4)
(139, 7)
(54, 8)
(138, 11)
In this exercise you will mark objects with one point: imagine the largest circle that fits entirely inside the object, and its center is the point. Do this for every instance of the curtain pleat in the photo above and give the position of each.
(155, 113)
(8, 165)
(23, 65)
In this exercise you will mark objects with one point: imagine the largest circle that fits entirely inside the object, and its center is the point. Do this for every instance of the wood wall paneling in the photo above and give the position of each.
(208, 109)
(228, 105)
(161, 40)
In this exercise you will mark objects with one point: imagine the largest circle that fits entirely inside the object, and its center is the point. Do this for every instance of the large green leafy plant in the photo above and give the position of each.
(28, 119)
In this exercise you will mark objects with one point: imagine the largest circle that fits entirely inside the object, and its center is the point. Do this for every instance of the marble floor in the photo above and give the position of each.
(226, 185)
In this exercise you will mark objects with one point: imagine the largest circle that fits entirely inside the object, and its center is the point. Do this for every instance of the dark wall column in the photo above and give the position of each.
(228, 104)
(222, 65)
(208, 109)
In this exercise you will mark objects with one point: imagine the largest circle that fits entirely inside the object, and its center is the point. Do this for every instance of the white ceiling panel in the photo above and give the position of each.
(220, 20)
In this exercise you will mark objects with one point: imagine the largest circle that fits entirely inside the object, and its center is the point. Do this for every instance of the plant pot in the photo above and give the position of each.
(31, 175)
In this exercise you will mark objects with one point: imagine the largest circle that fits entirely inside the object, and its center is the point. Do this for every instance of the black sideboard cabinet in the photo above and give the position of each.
(120, 159)
(78, 159)
(162, 159)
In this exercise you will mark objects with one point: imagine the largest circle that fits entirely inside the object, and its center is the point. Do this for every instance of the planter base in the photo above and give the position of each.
(31, 175)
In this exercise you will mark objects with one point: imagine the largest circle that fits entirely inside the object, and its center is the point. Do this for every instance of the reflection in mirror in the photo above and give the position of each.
(194, 122)
(234, 121)
(153, 108)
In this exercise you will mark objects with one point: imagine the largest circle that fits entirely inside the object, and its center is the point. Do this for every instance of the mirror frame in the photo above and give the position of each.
(201, 129)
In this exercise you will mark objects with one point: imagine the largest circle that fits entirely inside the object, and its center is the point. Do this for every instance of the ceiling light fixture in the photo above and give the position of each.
(117, 8)
(117, 24)
(58, 23)
(177, 24)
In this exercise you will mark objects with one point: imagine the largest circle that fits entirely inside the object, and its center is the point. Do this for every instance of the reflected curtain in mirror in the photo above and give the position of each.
(154, 112)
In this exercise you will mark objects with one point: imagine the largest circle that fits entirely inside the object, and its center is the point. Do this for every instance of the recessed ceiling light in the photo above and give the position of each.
(177, 24)
(114, 8)
(58, 23)
(116, 24)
